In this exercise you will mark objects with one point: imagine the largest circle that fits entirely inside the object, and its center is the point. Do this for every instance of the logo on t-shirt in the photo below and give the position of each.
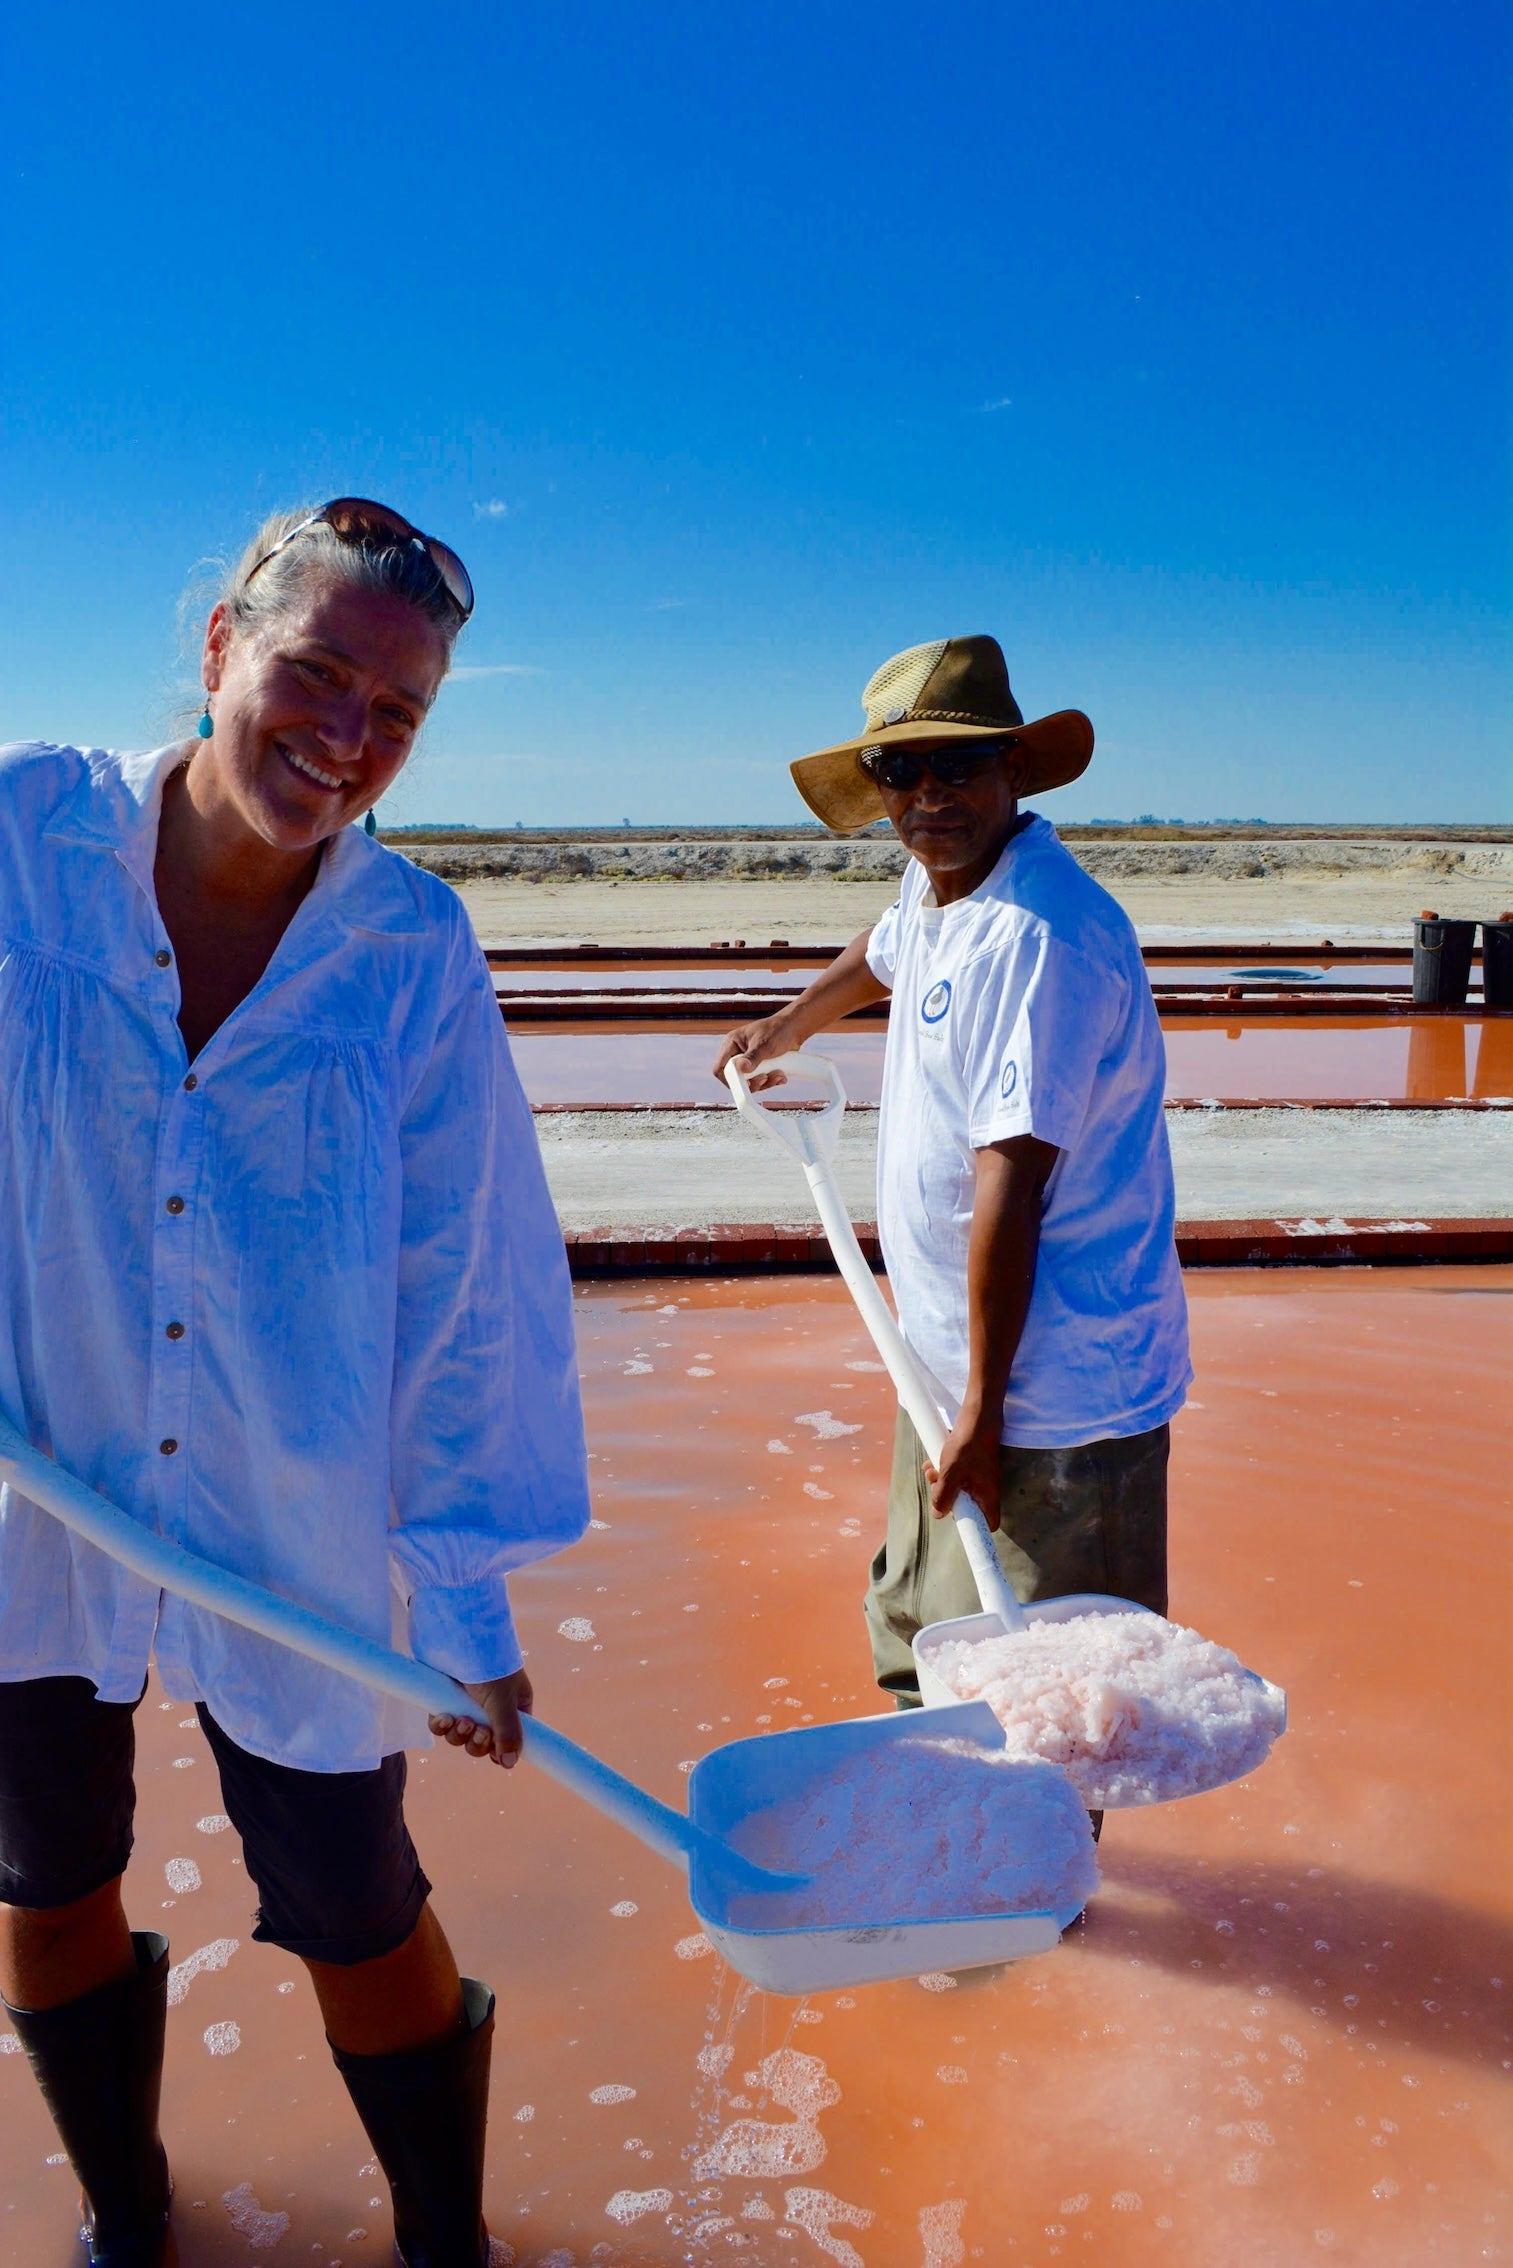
(1008, 1078)
(936, 1001)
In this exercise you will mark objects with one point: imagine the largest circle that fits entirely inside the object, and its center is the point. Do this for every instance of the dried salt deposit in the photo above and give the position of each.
(921, 1830)
(1134, 1709)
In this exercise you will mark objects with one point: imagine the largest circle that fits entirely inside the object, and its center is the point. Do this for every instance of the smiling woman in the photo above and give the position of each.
(321, 661)
(304, 1307)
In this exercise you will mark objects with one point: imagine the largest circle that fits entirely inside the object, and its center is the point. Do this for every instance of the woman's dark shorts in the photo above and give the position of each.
(329, 1853)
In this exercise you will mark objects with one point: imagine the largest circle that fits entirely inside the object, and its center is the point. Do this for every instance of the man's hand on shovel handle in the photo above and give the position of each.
(969, 1466)
(496, 1730)
(847, 984)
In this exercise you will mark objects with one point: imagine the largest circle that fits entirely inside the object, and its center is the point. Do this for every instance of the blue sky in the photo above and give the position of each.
(738, 348)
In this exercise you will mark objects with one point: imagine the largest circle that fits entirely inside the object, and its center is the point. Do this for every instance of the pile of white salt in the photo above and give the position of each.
(1134, 1709)
(922, 1829)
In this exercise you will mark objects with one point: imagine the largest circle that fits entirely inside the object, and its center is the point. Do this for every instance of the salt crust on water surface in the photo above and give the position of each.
(1133, 1708)
(920, 1830)
(629, 2205)
(262, 2230)
(210, 1957)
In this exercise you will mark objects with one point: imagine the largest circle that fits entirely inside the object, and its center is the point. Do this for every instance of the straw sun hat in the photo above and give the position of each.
(951, 690)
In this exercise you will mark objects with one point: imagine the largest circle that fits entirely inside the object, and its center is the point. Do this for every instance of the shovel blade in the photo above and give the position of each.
(745, 1776)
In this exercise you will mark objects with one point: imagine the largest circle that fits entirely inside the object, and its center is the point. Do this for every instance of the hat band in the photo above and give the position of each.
(947, 716)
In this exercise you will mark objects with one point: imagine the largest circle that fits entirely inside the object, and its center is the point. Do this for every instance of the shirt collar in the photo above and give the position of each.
(117, 806)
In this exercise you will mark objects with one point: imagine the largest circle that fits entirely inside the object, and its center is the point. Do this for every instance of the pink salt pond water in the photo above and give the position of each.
(1280, 2037)
(1333, 1059)
(1131, 1708)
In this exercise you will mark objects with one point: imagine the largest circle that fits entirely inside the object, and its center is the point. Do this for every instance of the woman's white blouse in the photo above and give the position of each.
(303, 1309)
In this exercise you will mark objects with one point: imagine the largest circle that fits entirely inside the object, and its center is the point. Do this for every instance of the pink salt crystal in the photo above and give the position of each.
(1134, 1709)
(921, 1830)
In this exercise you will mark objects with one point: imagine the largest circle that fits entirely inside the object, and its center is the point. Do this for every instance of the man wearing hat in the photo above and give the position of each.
(1024, 1185)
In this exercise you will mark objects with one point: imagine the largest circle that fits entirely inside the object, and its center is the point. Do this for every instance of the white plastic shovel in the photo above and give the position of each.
(812, 1136)
(727, 1785)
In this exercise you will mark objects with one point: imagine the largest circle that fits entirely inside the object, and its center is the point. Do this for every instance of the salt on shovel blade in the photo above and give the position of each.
(971, 1629)
(749, 1775)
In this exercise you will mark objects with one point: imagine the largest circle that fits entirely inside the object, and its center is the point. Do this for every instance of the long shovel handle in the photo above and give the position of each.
(168, 1565)
(908, 1379)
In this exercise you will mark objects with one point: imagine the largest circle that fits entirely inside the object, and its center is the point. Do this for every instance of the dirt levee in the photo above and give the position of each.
(689, 889)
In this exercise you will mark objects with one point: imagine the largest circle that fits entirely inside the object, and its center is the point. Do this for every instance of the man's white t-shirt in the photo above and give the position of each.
(1025, 1009)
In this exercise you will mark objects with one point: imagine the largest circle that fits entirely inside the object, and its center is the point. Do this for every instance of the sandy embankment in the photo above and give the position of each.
(825, 891)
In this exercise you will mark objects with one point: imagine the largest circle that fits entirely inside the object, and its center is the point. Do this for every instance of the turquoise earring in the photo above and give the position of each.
(206, 724)
(370, 825)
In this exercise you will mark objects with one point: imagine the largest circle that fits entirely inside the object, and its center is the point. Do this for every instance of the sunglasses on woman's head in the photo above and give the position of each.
(356, 520)
(903, 768)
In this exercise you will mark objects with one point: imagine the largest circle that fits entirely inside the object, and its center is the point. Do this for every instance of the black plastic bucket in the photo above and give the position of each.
(1441, 961)
(1496, 962)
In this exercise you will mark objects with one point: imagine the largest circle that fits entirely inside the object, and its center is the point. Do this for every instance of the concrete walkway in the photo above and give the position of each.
(685, 1169)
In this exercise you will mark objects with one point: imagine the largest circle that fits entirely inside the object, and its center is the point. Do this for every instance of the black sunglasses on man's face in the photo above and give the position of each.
(900, 769)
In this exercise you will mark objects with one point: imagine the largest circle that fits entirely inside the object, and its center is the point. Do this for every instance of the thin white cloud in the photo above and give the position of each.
(666, 605)
(494, 509)
(469, 671)
(1005, 401)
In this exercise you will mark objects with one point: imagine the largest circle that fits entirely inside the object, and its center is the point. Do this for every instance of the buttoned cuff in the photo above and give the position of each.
(466, 1629)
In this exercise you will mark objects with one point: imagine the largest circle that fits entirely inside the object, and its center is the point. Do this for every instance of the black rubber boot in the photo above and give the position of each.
(425, 2111)
(99, 2063)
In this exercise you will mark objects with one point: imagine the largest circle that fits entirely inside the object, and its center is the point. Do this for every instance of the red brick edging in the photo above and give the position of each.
(779, 1247)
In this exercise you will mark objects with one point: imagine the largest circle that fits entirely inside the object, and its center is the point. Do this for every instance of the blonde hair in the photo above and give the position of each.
(254, 595)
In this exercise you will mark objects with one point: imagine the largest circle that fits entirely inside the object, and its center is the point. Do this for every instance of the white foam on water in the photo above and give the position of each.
(1133, 1709)
(577, 1628)
(612, 2094)
(9, 2044)
(922, 1829)
(866, 1366)
(1126, 2201)
(937, 1980)
(758, 2149)
(625, 1907)
(816, 2212)
(262, 2230)
(182, 1763)
(827, 1426)
(940, 2227)
(952, 2075)
(629, 2205)
(693, 1948)
(210, 1957)
(501, 2255)
(525, 2114)
(182, 1876)
(714, 2061)
(757, 2209)
(213, 1823)
(780, 1449)
(223, 2039)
